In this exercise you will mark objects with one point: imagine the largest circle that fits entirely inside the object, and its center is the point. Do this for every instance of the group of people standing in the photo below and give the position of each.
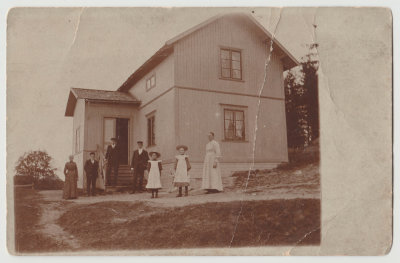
(71, 177)
(143, 161)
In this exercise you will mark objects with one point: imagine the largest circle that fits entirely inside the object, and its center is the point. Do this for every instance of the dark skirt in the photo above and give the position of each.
(70, 186)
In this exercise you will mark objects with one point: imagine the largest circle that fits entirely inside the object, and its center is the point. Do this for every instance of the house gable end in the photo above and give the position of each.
(199, 59)
(288, 60)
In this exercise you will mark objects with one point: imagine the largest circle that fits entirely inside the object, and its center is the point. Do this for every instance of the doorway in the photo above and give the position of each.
(122, 128)
(118, 128)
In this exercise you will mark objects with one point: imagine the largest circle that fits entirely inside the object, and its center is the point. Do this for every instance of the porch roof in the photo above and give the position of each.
(106, 96)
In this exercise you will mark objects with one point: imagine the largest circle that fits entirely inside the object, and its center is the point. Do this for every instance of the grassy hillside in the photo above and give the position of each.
(125, 225)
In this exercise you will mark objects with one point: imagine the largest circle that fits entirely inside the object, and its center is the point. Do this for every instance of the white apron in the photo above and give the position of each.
(181, 174)
(154, 181)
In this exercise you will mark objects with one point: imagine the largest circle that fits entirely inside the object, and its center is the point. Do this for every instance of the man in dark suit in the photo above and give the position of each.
(138, 165)
(91, 169)
(112, 157)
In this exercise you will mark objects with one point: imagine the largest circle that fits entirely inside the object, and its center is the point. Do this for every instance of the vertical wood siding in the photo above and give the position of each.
(197, 66)
(164, 80)
(164, 110)
(161, 100)
(186, 116)
(202, 112)
(197, 63)
(79, 121)
(94, 123)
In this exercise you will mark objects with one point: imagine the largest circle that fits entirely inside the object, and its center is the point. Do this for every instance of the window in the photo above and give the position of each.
(151, 131)
(234, 125)
(78, 140)
(231, 64)
(151, 82)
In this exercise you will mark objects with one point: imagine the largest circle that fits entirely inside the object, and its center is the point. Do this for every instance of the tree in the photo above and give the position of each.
(301, 99)
(295, 134)
(309, 67)
(35, 164)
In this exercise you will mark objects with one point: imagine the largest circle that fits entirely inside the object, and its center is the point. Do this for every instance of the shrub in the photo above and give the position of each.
(49, 183)
(23, 179)
(36, 166)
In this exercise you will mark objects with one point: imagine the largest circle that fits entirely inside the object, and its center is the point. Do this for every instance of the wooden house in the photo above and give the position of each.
(205, 79)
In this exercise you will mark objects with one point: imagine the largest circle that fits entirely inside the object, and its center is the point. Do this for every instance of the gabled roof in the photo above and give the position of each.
(105, 96)
(289, 61)
(151, 63)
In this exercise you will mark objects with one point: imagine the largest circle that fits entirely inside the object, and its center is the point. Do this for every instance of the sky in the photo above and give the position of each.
(50, 50)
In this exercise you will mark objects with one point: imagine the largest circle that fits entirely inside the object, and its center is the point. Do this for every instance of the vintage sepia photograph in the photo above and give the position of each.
(156, 129)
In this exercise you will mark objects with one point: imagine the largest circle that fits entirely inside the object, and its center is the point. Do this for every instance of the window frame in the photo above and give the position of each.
(230, 50)
(148, 80)
(78, 139)
(234, 111)
(151, 134)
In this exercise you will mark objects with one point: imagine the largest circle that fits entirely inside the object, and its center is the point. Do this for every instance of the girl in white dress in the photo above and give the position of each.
(212, 181)
(154, 168)
(182, 167)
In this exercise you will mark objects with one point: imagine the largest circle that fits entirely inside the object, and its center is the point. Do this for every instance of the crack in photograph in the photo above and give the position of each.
(163, 128)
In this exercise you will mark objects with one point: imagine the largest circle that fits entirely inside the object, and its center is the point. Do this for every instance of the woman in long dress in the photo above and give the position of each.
(71, 179)
(212, 181)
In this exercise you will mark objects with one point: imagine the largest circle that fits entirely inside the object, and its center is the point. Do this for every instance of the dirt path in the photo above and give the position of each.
(53, 207)
(50, 212)
(195, 196)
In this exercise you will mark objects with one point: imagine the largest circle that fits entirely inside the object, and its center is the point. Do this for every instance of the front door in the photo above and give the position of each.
(122, 127)
(118, 128)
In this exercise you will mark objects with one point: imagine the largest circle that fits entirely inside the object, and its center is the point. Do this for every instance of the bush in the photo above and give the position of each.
(307, 155)
(37, 165)
(49, 183)
(23, 179)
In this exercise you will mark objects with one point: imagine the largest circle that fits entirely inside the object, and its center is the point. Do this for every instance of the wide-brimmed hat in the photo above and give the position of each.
(182, 146)
(158, 154)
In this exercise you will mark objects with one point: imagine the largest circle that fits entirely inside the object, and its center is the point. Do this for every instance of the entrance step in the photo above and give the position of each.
(125, 176)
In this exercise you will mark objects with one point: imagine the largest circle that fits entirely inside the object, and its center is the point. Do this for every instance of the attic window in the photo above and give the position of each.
(151, 82)
(231, 64)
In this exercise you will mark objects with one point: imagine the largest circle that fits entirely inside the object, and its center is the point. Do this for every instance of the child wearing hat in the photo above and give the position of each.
(182, 166)
(154, 168)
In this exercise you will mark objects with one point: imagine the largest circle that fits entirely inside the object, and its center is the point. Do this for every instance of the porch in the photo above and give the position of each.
(98, 116)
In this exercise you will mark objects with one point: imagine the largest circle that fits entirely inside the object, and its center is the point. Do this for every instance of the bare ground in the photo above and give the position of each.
(278, 207)
(28, 213)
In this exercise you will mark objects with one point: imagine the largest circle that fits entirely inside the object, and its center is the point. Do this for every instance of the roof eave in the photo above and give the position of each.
(289, 61)
(147, 66)
(167, 49)
(114, 101)
(70, 108)
(191, 30)
(73, 98)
